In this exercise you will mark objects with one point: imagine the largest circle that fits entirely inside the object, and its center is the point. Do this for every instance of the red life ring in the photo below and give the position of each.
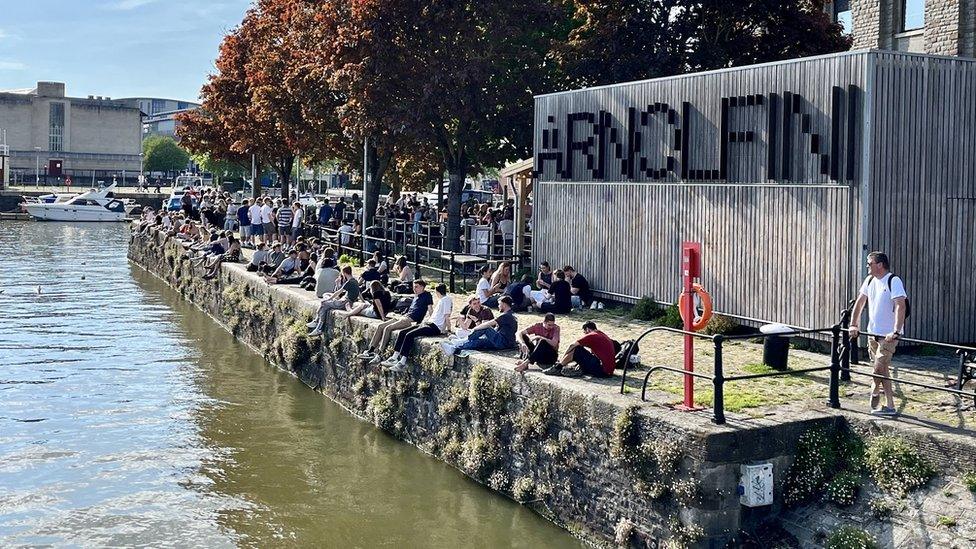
(706, 300)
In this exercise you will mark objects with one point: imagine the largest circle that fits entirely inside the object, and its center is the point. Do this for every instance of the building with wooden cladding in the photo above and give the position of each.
(788, 173)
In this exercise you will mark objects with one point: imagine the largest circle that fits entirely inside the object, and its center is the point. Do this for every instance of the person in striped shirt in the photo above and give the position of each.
(285, 215)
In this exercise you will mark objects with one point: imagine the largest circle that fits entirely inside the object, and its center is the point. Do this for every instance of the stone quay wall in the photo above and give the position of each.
(577, 453)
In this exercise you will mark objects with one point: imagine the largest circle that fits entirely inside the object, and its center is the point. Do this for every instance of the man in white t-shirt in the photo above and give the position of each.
(886, 300)
(266, 220)
(257, 227)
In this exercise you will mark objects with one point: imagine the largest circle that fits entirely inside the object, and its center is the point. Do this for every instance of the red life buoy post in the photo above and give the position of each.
(690, 270)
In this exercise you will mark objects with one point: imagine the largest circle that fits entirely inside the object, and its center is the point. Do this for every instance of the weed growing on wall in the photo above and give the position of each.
(851, 537)
(523, 489)
(653, 460)
(821, 456)
(842, 490)
(532, 421)
(434, 362)
(881, 508)
(896, 465)
(969, 481)
(684, 535)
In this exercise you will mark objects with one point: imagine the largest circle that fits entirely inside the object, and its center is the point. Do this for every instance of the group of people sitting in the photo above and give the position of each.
(312, 264)
(557, 292)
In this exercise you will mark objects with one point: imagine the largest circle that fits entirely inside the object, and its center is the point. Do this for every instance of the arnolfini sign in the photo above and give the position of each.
(630, 133)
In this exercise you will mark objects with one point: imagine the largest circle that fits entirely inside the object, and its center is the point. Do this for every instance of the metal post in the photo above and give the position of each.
(718, 380)
(834, 398)
(365, 187)
(845, 357)
(452, 272)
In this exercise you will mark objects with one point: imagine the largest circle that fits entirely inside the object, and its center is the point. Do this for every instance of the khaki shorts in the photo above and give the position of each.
(881, 352)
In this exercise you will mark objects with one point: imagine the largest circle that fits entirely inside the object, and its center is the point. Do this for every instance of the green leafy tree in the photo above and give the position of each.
(163, 154)
(623, 40)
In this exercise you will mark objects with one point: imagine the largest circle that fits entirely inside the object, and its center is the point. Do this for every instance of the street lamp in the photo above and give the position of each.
(37, 166)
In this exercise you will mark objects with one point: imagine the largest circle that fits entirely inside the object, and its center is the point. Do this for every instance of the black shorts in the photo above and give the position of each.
(588, 362)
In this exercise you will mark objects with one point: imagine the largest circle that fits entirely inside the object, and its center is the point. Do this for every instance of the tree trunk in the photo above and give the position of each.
(284, 169)
(256, 184)
(455, 174)
(379, 162)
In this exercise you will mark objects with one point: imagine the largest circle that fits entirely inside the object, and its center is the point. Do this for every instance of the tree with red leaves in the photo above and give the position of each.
(459, 75)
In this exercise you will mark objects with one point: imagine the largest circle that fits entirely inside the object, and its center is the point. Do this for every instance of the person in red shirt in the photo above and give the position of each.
(540, 344)
(593, 354)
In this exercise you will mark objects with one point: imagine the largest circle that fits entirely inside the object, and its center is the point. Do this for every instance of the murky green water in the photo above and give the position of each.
(129, 418)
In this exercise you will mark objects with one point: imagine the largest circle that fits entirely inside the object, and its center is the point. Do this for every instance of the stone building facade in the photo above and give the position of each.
(52, 136)
(938, 27)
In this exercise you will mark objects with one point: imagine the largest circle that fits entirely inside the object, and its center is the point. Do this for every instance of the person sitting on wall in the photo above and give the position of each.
(286, 269)
(560, 296)
(486, 291)
(419, 306)
(259, 257)
(580, 288)
(370, 274)
(540, 344)
(403, 276)
(594, 354)
(232, 255)
(378, 304)
(491, 335)
(521, 294)
(471, 315)
(344, 298)
(325, 277)
(438, 324)
(275, 258)
(381, 267)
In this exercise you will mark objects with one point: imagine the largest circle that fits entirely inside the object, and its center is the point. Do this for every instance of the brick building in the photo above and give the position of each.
(51, 136)
(938, 27)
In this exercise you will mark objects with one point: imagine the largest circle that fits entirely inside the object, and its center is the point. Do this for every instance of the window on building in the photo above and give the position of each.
(182, 105)
(158, 105)
(56, 128)
(913, 15)
(842, 15)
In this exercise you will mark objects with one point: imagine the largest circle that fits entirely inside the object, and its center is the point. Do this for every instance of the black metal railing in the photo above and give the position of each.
(450, 265)
(839, 368)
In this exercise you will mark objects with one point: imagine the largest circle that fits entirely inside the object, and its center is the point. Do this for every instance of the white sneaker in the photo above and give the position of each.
(315, 333)
(366, 354)
(399, 366)
(312, 325)
(376, 359)
(593, 306)
(448, 348)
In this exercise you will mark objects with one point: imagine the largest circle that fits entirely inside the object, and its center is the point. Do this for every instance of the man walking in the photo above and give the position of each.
(884, 294)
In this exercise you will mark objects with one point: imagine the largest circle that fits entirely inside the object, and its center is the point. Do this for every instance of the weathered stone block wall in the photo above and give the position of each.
(942, 27)
(950, 26)
(579, 456)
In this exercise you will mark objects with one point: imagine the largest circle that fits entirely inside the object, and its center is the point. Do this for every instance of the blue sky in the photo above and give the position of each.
(115, 48)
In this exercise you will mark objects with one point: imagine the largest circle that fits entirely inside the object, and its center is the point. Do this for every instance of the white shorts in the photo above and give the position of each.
(370, 312)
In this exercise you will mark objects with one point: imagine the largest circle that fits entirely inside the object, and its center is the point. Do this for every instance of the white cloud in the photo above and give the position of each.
(127, 5)
(12, 66)
(3, 34)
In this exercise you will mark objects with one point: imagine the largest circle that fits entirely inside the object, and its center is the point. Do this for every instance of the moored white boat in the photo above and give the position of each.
(94, 205)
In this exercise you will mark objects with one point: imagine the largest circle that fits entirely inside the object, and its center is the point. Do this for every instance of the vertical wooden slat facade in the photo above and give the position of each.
(880, 154)
(923, 198)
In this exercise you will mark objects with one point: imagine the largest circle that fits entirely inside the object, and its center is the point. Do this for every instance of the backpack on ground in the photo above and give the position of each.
(402, 305)
(622, 350)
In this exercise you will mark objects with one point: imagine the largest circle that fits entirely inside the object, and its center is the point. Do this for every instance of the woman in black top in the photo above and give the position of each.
(378, 305)
(560, 296)
(544, 281)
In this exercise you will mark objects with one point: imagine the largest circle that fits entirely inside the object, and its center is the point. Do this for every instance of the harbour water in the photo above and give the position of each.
(130, 418)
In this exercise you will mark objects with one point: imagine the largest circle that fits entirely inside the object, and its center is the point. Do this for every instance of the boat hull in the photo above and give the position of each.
(58, 212)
